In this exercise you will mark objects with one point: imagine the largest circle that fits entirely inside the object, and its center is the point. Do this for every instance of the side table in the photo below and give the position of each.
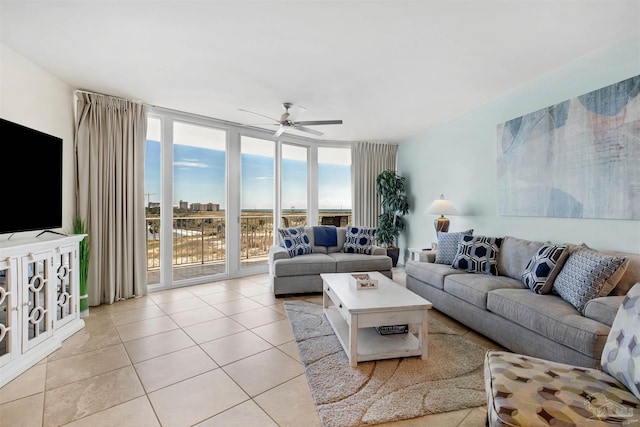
(422, 255)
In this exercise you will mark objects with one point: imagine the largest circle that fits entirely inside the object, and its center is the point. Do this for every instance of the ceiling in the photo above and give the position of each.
(389, 69)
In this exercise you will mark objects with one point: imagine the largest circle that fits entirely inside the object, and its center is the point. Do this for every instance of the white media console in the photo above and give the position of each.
(39, 299)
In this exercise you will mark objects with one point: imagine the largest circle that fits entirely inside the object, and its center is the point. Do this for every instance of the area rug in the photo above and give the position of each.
(388, 390)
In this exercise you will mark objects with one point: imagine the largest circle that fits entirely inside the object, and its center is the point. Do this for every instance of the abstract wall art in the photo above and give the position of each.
(576, 159)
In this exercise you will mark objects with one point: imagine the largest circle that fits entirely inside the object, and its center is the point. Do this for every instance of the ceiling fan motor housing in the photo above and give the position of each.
(284, 118)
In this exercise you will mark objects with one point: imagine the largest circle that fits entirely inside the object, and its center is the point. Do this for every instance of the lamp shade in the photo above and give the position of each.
(442, 206)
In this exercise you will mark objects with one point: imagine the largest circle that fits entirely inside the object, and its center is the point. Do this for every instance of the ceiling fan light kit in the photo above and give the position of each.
(286, 122)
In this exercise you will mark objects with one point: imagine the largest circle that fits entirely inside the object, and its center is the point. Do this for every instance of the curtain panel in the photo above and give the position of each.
(110, 147)
(369, 159)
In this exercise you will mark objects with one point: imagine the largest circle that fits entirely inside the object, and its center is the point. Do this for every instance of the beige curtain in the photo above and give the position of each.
(368, 160)
(110, 147)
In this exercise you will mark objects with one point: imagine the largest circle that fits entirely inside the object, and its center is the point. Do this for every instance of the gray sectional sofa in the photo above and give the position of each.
(301, 274)
(503, 309)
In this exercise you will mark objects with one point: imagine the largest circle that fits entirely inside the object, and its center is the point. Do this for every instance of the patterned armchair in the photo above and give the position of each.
(526, 391)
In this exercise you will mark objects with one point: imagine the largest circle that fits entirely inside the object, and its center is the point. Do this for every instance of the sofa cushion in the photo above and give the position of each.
(585, 275)
(346, 263)
(340, 234)
(310, 235)
(448, 246)
(543, 268)
(342, 237)
(550, 316)
(621, 355)
(478, 254)
(474, 288)
(430, 273)
(295, 240)
(359, 240)
(603, 309)
(514, 256)
(304, 265)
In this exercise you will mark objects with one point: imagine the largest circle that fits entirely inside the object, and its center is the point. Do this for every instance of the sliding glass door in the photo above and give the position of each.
(199, 198)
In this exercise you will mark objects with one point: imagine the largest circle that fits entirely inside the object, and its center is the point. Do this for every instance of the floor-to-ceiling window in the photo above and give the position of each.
(152, 176)
(199, 200)
(293, 177)
(334, 186)
(215, 194)
(257, 200)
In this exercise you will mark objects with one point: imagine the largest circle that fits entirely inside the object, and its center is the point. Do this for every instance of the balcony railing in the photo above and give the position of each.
(201, 239)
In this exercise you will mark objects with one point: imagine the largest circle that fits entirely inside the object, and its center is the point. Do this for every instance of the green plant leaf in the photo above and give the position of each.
(391, 187)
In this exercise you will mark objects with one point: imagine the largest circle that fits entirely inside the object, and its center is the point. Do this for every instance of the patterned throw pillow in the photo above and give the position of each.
(584, 275)
(295, 241)
(448, 246)
(543, 268)
(620, 357)
(478, 254)
(359, 240)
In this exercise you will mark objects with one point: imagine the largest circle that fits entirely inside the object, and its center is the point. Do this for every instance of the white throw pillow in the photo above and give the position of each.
(621, 354)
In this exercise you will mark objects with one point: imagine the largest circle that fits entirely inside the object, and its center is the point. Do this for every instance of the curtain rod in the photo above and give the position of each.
(77, 91)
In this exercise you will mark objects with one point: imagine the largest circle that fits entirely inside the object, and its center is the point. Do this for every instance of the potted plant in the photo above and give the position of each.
(390, 186)
(79, 227)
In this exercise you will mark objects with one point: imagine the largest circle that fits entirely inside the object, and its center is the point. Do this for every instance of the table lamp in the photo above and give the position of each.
(441, 207)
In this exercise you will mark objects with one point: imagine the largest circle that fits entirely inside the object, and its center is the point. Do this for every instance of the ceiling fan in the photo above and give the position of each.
(286, 121)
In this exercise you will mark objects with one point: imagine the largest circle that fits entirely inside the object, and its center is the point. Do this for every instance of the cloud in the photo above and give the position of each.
(264, 177)
(191, 164)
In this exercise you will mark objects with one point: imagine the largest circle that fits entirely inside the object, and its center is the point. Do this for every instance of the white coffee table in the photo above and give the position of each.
(353, 313)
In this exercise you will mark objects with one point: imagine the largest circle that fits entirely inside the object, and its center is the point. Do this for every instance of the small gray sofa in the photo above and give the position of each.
(301, 274)
(503, 309)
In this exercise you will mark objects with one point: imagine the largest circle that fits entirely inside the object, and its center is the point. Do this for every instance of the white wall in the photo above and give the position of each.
(458, 158)
(35, 98)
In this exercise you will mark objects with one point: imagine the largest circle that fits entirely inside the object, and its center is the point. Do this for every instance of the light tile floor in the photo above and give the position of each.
(219, 354)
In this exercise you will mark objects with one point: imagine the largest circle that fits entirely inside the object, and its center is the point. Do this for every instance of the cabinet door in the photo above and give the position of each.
(65, 277)
(8, 311)
(36, 299)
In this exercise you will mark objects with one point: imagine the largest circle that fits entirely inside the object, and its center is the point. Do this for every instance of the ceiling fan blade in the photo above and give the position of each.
(258, 114)
(308, 130)
(278, 132)
(319, 122)
(299, 113)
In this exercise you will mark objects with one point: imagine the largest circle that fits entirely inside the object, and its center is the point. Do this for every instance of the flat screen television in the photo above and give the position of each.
(31, 179)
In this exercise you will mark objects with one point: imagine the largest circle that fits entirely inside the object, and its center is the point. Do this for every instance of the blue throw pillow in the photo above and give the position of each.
(359, 240)
(295, 241)
(325, 235)
(543, 268)
(478, 254)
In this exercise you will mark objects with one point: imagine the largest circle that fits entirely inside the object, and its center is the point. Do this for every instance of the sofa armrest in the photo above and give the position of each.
(276, 253)
(603, 309)
(378, 250)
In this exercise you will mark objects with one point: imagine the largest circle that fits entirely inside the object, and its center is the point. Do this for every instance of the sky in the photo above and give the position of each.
(199, 176)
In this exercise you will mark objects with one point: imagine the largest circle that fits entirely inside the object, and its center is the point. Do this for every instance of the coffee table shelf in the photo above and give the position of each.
(372, 345)
(353, 314)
